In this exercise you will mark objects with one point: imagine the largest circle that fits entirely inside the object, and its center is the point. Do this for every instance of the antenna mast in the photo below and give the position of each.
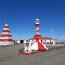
(53, 36)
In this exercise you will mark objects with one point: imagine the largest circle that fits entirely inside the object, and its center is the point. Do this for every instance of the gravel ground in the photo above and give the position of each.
(9, 56)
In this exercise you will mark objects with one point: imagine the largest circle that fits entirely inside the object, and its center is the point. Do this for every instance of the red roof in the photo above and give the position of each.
(40, 37)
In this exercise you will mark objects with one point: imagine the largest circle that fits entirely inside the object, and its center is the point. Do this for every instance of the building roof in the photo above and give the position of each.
(41, 38)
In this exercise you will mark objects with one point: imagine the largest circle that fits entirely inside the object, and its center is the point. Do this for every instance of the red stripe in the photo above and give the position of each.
(37, 30)
(3, 35)
(37, 25)
(6, 26)
(41, 47)
(6, 30)
(6, 40)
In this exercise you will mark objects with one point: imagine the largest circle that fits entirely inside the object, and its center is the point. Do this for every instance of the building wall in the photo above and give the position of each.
(46, 41)
(43, 41)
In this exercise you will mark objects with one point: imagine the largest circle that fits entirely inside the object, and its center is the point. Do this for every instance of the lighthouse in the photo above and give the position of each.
(35, 43)
(37, 35)
(6, 37)
(37, 26)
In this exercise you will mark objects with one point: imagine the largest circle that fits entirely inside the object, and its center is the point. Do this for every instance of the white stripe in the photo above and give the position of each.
(37, 32)
(37, 22)
(6, 29)
(5, 38)
(6, 43)
(37, 28)
(6, 33)
(6, 24)
(34, 46)
(37, 19)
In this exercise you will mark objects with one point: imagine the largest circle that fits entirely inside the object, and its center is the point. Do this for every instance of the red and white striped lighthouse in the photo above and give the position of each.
(37, 26)
(5, 37)
(34, 43)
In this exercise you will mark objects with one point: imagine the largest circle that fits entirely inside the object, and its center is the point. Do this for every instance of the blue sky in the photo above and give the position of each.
(21, 15)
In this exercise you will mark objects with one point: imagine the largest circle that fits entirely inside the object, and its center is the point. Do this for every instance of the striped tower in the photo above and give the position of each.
(5, 37)
(37, 26)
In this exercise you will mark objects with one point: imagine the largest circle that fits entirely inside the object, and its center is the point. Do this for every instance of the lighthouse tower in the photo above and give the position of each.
(5, 37)
(34, 43)
(37, 26)
(37, 35)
